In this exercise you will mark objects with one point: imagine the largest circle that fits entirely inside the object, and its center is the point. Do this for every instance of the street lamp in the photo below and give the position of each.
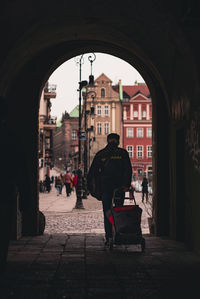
(91, 58)
(79, 204)
(80, 61)
(87, 132)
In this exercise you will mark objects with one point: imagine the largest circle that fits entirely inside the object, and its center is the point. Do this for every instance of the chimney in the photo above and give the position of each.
(120, 90)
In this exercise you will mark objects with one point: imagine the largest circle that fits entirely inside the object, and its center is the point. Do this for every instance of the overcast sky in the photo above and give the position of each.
(66, 77)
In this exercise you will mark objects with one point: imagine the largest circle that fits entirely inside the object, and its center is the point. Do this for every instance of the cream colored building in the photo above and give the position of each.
(47, 124)
(107, 116)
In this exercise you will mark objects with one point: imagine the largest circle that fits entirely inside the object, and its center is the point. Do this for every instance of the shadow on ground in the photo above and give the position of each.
(79, 266)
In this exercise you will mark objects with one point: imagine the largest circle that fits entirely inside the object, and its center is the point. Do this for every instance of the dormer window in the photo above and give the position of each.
(102, 93)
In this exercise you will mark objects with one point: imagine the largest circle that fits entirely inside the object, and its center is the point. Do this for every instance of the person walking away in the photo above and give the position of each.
(131, 192)
(145, 188)
(47, 183)
(111, 169)
(75, 179)
(59, 185)
(67, 182)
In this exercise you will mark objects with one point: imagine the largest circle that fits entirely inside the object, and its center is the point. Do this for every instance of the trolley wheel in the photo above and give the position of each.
(143, 244)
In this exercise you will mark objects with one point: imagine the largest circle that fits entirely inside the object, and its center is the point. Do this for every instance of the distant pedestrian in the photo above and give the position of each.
(47, 183)
(68, 181)
(59, 184)
(131, 192)
(55, 179)
(52, 179)
(145, 189)
(75, 179)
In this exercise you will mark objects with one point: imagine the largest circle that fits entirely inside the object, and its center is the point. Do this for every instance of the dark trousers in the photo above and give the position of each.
(144, 193)
(68, 189)
(106, 203)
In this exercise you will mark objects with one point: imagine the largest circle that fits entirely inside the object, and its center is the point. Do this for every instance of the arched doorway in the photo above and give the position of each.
(38, 71)
(42, 49)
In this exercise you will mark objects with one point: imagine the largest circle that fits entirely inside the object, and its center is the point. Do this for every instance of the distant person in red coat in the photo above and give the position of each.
(67, 182)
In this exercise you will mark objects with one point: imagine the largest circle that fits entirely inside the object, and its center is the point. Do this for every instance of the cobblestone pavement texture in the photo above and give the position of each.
(61, 217)
(78, 266)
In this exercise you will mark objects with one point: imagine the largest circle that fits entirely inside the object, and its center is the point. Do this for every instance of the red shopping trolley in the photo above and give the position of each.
(126, 221)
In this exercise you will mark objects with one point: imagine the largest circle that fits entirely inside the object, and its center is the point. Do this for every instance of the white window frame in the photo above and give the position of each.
(128, 130)
(149, 135)
(106, 110)
(135, 113)
(99, 109)
(129, 149)
(99, 129)
(142, 132)
(144, 114)
(149, 151)
(106, 128)
(139, 151)
(74, 135)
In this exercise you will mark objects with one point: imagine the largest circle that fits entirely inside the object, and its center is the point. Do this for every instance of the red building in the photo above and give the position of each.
(137, 127)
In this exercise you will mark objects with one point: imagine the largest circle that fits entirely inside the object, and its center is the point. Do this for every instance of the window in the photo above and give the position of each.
(135, 113)
(99, 129)
(47, 143)
(74, 135)
(149, 151)
(139, 132)
(106, 128)
(130, 150)
(140, 172)
(129, 132)
(139, 151)
(98, 110)
(149, 132)
(106, 110)
(102, 92)
(144, 114)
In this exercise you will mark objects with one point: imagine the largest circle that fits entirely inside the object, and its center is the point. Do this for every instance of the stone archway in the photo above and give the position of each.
(37, 70)
(152, 42)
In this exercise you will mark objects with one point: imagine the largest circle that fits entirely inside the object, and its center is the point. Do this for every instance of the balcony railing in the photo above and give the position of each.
(50, 88)
(50, 120)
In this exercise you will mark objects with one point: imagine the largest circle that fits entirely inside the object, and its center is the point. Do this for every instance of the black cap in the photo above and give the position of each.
(113, 136)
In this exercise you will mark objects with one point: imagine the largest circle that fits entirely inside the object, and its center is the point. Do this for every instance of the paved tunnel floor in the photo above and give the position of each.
(79, 266)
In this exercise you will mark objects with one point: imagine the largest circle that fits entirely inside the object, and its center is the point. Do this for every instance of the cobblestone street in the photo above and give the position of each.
(61, 217)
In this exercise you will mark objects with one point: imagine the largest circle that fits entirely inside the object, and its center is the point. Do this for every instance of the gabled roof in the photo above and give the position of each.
(103, 77)
(139, 97)
(59, 123)
(74, 112)
(132, 90)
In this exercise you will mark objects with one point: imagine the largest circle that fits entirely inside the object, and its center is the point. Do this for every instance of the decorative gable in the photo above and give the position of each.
(103, 79)
(139, 97)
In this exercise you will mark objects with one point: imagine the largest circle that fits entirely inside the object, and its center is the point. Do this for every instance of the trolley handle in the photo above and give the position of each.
(130, 193)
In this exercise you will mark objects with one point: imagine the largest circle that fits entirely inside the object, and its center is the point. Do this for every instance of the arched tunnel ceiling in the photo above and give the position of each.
(147, 30)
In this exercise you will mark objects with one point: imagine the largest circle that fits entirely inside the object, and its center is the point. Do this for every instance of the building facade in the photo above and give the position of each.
(47, 124)
(137, 128)
(105, 113)
(65, 143)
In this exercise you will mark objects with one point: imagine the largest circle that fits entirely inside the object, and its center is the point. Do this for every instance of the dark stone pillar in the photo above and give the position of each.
(161, 164)
(30, 200)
